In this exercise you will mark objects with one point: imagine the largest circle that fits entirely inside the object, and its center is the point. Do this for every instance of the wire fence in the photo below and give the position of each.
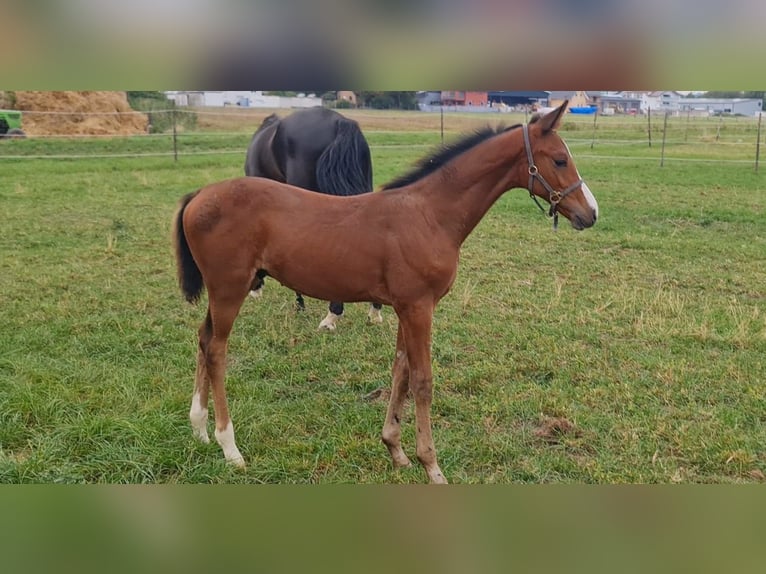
(654, 137)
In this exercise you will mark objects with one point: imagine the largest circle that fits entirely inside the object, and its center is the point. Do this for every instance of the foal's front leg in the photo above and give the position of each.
(416, 328)
(392, 428)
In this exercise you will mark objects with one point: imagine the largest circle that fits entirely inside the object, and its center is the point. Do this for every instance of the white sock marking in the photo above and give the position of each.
(198, 418)
(225, 438)
(329, 322)
(374, 315)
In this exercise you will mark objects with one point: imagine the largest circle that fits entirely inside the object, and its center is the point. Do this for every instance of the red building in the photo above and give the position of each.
(464, 98)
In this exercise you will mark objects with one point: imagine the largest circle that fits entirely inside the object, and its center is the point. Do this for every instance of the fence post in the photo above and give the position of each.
(686, 132)
(649, 121)
(758, 142)
(442, 122)
(718, 131)
(175, 137)
(593, 139)
(664, 137)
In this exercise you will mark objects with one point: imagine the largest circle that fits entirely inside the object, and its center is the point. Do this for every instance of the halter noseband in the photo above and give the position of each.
(554, 197)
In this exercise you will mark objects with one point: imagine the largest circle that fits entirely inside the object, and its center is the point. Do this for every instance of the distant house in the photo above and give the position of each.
(667, 101)
(346, 96)
(455, 98)
(576, 99)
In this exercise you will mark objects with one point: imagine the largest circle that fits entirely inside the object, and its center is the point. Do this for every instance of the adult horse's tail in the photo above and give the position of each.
(189, 275)
(345, 166)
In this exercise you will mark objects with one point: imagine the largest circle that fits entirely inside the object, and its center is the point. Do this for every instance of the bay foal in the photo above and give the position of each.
(398, 246)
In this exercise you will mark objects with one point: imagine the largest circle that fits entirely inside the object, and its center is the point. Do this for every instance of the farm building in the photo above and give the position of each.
(519, 98)
(721, 106)
(427, 99)
(460, 98)
(217, 99)
(621, 103)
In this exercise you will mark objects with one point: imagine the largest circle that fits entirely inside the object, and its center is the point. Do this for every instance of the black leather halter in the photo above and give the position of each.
(554, 197)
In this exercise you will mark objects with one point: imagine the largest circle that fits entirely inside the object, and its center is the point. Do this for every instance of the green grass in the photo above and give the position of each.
(631, 352)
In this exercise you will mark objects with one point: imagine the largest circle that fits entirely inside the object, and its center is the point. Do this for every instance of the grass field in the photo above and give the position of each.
(631, 352)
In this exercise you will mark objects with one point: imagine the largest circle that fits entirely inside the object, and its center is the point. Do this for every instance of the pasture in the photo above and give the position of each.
(631, 352)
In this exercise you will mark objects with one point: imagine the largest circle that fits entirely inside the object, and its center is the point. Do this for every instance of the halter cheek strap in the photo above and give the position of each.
(554, 197)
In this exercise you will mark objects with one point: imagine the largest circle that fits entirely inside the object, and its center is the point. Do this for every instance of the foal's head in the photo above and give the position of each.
(553, 175)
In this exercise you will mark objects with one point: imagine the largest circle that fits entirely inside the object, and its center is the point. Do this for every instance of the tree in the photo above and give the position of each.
(388, 100)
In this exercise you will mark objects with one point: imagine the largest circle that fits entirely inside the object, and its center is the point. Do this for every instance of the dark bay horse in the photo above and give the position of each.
(398, 246)
(316, 149)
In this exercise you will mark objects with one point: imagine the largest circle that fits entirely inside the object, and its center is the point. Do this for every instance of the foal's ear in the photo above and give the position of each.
(550, 121)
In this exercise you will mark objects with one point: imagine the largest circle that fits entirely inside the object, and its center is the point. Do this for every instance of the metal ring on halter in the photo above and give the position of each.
(532, 169)
(555, 196)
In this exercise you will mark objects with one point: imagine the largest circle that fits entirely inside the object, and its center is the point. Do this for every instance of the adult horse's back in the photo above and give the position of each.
(320, 150)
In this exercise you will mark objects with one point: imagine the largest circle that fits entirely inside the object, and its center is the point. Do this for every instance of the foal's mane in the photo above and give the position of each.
(445, 153)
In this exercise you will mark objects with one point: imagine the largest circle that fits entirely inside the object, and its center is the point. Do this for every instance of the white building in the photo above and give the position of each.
(218, 99)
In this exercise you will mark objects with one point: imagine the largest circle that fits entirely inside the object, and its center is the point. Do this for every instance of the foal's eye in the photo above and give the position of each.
(560, 162)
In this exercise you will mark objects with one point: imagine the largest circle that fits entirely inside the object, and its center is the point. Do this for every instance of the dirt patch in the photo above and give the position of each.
(78, 113)
(379, 394)
(553, 430)
(757, 474)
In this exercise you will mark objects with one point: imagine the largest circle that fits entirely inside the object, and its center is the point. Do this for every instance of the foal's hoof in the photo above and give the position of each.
(257, 294)
(436, 476)
(201, 435)
(237, 462)
(402, 462)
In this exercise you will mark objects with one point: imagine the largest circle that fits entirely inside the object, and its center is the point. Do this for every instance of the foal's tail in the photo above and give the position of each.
(189, 275)
(345, 166)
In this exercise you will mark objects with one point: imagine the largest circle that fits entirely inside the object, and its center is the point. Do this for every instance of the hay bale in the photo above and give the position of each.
(113, 114)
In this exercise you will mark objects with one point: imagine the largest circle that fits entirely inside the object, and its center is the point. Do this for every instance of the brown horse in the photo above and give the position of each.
(398, 246)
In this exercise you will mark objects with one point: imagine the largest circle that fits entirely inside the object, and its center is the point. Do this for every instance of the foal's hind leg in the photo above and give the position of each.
(392, 428)
(198, 410)
(223, 311)
(331, 319)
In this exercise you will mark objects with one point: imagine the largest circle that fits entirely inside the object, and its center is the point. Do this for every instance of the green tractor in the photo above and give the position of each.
(10, 124)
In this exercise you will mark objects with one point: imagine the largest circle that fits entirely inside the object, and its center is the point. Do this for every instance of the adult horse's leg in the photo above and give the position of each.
(392, 428)
(374, 315)
(198, 410)
(333, 314)
(415, 323)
